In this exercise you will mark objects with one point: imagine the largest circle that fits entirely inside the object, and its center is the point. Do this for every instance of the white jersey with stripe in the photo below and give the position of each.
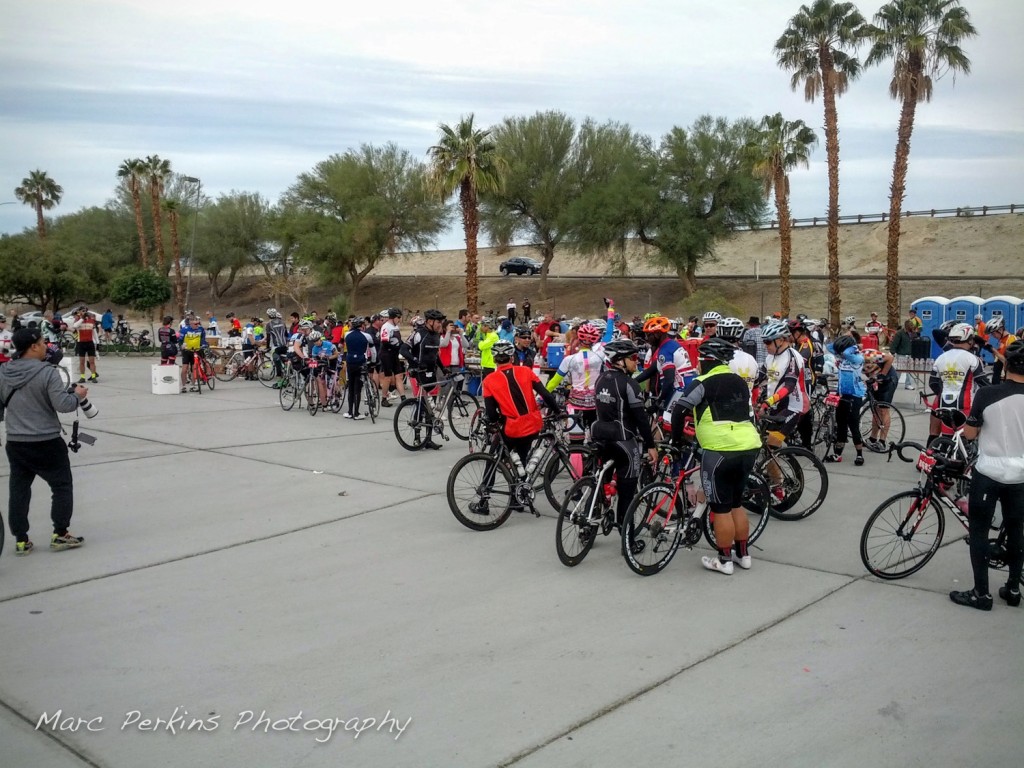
(958, 370)
(788, 364)
(582, 369)
(745, 366)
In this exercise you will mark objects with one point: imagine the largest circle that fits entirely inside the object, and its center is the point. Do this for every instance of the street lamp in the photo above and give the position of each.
(195, 224)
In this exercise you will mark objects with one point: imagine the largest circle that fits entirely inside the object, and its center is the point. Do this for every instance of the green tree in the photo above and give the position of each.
(42, 193)
(157, 171)
(173, 210)
(817, 48)
(45, 275)
(354, 210)
(703, 188)
(131, 172)
(234, 230)
(140, 289)
(778, 147)
(922, 38)
(464, 160)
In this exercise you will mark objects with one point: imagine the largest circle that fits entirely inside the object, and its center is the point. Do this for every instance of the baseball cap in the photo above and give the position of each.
(25, 338)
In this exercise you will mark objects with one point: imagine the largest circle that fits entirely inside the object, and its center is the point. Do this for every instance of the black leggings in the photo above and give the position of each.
(626, 455)
(355, 388)
(985, 492)
(848, 417)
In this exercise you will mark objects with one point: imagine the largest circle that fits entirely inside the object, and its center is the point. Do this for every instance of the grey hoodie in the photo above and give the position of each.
(31, 413)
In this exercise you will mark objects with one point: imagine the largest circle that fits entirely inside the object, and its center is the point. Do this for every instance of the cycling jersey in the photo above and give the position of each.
(277, 332)
(582, 369)
(851, 366)
(673, 368)
(744, 366)
(193, 339)
(6, 344)
(720, 402)
(509, 392)
(955, 377)
(390, 337)
(422, 348)
(323, 347)
(86, 329)
(785, 381)
(1000, 410)
(620, 410)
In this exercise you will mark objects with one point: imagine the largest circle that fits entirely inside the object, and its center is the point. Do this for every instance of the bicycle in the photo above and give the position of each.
(881, 422)
(824, 435)
(258, 365)
(371, 398)
(797, 478)
(291, 391)
(485, 487)
(898, 541)
(663, 516)
(199, 372)
(417, 418)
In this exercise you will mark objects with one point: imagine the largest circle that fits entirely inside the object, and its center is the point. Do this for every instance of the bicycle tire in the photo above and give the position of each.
(228, 369)
(289, 394)
(266, 372)
(2, 534)
(411, 434)
(897, 424)
(336, 399)
(208, 372)
(478, 437)
(573, 538)
(461, 408)
(824, 435)
(804, 479)
(756, 500)
(474, 483)
(65, 376)
(560, 474)
(884, 550)
(372, 397)
(312, 394)
(653, 528)
(146, 346)
(122, 347)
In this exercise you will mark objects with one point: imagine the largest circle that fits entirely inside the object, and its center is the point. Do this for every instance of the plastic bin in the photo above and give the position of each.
(166, 379)
(869, 341)
(555, 354)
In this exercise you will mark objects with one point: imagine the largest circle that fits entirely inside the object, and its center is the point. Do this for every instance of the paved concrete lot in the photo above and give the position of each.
(299, 588)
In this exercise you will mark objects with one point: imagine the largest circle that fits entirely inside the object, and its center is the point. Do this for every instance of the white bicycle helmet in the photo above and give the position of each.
(272, 313)
(730, 328)
(306, 324)
(995, 324)
(774, 329)
(315, 336)
(961, 333)
(711, 317)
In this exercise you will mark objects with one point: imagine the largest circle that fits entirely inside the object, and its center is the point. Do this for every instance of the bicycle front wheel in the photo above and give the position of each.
(798, 479)
(265, 372)
(228, 369)
(573, 535)
(565, 467)
(902, 535)
(653, 529)
(411, 430)
(756, 498)
(873, 420)
(461, 408)
(479, 492)
(211, 379)
(372, 397)
(290, 393)
(312, 395)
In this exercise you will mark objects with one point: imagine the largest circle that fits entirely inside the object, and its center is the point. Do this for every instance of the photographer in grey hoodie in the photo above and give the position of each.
(31, 394)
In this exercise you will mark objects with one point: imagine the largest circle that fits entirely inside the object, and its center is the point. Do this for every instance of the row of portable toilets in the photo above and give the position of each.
(935, 310)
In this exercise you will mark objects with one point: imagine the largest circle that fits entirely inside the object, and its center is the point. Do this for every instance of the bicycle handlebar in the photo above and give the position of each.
(899, 447)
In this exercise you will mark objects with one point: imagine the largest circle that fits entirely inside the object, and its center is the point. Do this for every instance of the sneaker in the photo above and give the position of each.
(81, 379)
(387, 404)
(348, 415)
(743, 562)
(972, 600)
(358, 417)
(67, 541)
(184, 389)
(432, 446)
(1011, 597)
(859, 461)
(714, 564)
(874, 444)
(24, 547)
(909, 385)
(833, 459)
(94, 377)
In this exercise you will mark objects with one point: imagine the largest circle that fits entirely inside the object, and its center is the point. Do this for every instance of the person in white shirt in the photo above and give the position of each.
(511, 309)
(956, 375)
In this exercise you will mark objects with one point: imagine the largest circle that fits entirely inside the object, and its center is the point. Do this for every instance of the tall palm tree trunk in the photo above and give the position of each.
(785, 238)
(158, 229)
(137, 204)
(897, 192)
(832, 151)
(40, 221)
(179, 296)
(471, 226)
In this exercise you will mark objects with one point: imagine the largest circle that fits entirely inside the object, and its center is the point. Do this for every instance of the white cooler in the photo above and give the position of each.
(166, 379)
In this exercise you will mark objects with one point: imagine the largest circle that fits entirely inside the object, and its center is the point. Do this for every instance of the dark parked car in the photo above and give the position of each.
(520, 265)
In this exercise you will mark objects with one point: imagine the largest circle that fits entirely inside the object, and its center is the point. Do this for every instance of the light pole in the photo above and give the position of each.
(195, 224)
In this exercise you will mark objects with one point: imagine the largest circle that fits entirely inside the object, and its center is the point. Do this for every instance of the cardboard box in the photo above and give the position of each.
(166, 379)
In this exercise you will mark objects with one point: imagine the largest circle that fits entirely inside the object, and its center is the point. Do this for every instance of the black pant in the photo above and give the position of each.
(355, 388)
(848, 417)
(805, 426)
(985, 492)
(49, 460)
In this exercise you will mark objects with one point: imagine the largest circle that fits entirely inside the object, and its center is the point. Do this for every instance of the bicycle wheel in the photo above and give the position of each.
(824, 435)
(573, 535)
(208, 373)
(756, 497)
(228, 370)
(371, 395)
(653, 528)
(799, 482)
(265, 372)
(146, 346)
(312, 392)
(477, 432)
(461, 408)
(290, 393)
(65, 376)
(336, 398)
(565, 467)
(411, 431)
(479, 491)
(871, 413)
(67, 341)
(122, 347)
(901, 535)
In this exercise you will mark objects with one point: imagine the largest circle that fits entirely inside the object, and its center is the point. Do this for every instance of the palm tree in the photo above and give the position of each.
(465, 160)
(131, 171)
(817, 47)
(173, 210)
(157, 171)
(42, 193)
(779, 146)
(922, 37)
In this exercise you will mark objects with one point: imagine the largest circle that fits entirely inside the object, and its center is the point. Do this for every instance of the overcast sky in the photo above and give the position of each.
(247, 94)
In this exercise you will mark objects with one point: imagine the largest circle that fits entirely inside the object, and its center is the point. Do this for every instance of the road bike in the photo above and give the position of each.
(258, 365)
(418, 418)
(797, 478)
(371, 397)
(666, 515)
(485, 487)
(199, 372)
(881, 422)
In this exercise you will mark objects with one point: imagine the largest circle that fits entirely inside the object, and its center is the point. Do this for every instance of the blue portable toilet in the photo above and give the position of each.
(931, 311)
(1007, 307)
(963, 309)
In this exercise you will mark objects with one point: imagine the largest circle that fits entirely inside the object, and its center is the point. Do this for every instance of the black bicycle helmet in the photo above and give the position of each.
(1015, 357)
(843, 343)
(719, 350)
(619, 350)
(503, 351)
(433, 314)
(394, 312)
(523, 332)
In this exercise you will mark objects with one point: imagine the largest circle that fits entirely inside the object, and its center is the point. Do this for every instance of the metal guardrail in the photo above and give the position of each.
(874, 218)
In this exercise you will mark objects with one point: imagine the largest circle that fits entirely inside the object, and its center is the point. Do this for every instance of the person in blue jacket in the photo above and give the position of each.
(851, 391)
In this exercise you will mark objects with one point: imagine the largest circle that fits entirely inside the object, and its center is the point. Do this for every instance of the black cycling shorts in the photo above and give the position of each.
(391, 363)
(85, 348)
(886, 391)
(724, 477)
(785, 422)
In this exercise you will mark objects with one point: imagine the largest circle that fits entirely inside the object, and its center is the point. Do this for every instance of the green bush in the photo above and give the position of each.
(140, 289)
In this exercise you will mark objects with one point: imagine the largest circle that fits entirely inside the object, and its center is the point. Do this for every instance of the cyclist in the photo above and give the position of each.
(582, 370)
(277, 339)
(422, 353)
(326, 354)
(742, 363)
(168, 339)
(785, 399)
(390, 360)
(510, 398)
(193, 340)
(85, 327)
(729, 443)
(487, 338)
(752, 341)
(525, 352)
(360, 353)
(709, 324)
(883, 379)
(874, 326)
(999, 339)
(851, 393)
(997, 421)
(622, 426)
(813, 360)
(956, 376)
(669, 365)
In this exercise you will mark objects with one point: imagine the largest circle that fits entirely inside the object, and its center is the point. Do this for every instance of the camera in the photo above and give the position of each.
(88, 408)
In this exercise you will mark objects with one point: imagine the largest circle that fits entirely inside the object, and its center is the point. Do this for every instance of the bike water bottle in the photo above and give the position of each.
(518, 463)
(961, 504)
(531, 465)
